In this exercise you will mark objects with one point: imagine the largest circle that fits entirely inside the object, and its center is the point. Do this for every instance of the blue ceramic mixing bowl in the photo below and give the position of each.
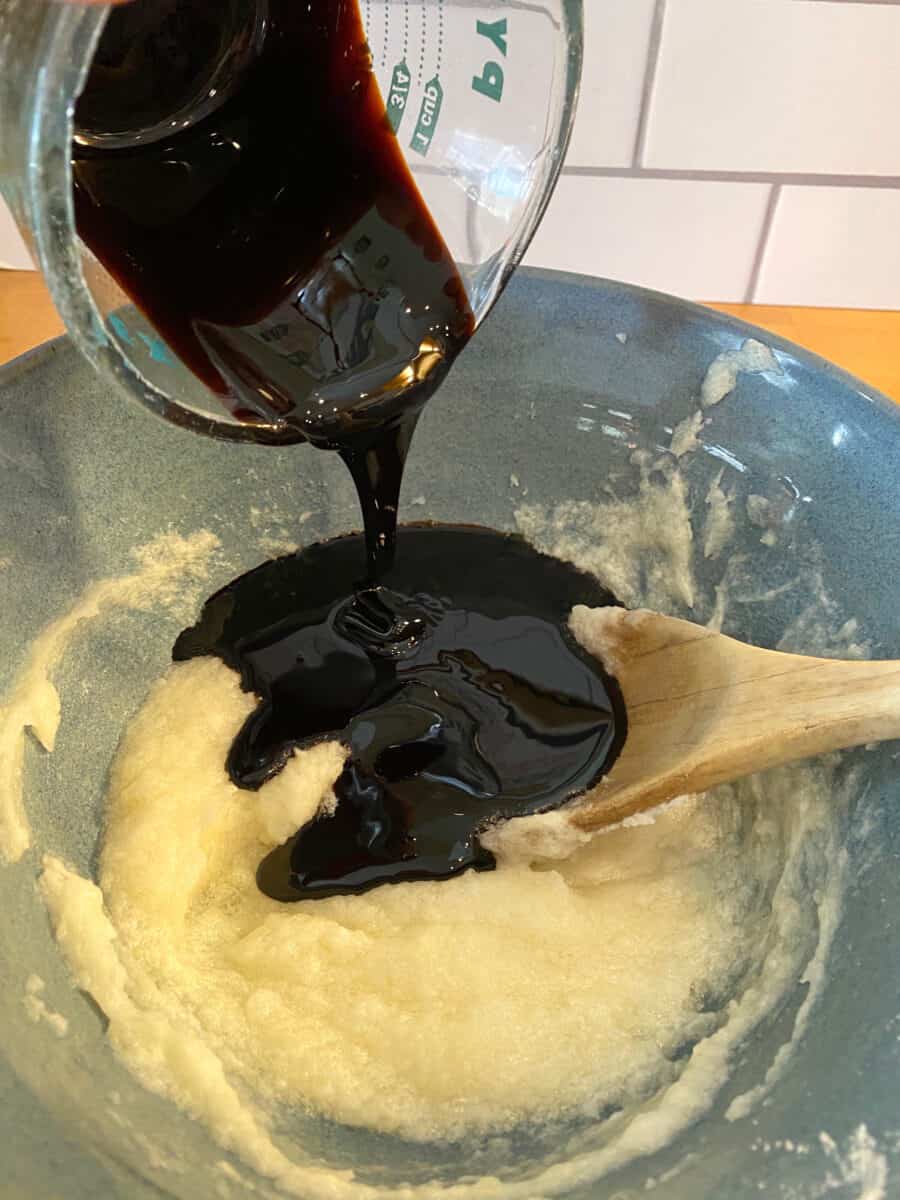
(571, 386)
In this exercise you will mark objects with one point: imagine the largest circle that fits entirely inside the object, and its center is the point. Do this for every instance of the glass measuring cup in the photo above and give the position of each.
(480, 97)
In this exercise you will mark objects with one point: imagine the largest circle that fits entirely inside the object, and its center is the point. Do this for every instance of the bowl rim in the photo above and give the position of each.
(33, 359)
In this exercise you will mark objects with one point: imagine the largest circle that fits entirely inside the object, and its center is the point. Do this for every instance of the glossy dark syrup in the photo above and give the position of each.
(458, 692)
(236, 174)
(279, 244)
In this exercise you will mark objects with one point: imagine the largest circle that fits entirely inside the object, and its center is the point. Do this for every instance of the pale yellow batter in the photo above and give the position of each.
(430, 1010)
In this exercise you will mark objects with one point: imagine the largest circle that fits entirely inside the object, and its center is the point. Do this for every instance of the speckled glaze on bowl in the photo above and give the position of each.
(567, 378)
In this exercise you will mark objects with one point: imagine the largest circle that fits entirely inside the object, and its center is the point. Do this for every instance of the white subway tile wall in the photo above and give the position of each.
(793, 86)
(765, 154)
(729, 150)
(839, 244)
(616, 45)
(12, 249)
(676, 235)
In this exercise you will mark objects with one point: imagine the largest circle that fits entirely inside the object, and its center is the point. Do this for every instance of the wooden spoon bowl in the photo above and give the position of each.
(705, 709)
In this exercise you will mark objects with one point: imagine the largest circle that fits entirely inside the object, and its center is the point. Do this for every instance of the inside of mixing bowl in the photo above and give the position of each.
(524, 436)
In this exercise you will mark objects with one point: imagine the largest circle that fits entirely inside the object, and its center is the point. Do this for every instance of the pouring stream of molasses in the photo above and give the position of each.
(294, 268)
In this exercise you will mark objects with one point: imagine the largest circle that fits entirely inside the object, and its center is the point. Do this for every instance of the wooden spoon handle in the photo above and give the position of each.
(726, 711)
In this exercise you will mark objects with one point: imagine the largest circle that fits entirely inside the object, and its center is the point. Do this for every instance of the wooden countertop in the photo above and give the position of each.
(865, 343)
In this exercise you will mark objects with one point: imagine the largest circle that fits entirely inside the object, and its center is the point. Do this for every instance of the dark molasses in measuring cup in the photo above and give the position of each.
(164, 66)
(235, 172)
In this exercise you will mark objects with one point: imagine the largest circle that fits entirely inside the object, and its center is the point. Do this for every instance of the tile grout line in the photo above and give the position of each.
(895, 2)
(763, 243)
(795, 178)
(653, 49)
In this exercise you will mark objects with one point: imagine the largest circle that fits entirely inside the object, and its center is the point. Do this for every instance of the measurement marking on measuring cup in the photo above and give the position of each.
(433, 95)
(401, 79)
(121, 329)
(158, 351)
(429, 114)
(490, 82)
(423, 42)
(398, 94)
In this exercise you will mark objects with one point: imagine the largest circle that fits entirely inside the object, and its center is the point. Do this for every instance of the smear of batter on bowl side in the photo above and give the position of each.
(165, 567)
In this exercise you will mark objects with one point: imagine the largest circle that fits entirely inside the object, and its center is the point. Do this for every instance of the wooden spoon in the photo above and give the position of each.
(705, 709)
